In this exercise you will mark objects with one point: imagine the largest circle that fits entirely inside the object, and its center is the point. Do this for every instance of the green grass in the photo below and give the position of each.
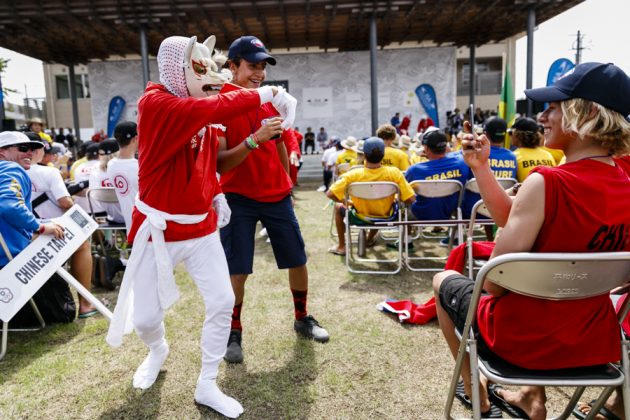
(372, 367)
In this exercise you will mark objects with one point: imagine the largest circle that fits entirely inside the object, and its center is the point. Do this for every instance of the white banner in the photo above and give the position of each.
(317, 102)
(31, 268)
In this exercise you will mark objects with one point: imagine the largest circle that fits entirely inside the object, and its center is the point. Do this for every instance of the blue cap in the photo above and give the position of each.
(605, 84)
(250, 49)
(373, 145)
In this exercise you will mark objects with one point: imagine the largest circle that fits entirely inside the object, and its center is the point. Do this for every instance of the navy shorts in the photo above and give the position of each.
(282, 227)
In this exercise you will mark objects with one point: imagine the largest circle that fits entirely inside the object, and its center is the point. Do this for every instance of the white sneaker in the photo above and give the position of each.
(263, 232)
(322, 188)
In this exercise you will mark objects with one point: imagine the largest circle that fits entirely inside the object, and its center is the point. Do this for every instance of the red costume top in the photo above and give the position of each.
(177, 166)
(424, 124)
(260, 176)
(404, 125)
(586, 210)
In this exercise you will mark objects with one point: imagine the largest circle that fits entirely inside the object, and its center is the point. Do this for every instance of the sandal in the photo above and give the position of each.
(334, 250)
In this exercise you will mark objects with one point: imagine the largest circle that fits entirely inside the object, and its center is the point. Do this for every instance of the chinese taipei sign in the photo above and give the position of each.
(31, 268)
(426, 96)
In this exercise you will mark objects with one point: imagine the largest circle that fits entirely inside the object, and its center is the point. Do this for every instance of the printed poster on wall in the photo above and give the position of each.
(354, 101)
(317, 102)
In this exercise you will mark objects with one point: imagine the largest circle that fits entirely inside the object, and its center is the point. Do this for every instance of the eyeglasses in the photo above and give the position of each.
(24, 148)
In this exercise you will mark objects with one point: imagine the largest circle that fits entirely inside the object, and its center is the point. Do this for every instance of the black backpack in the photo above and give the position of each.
(54, 301)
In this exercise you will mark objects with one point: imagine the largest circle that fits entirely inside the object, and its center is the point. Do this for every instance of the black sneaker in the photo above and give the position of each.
(234, 352)
(308, 327)
(394, 245)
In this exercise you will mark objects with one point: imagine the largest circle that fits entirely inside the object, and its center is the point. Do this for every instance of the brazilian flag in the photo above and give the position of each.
(507, 104)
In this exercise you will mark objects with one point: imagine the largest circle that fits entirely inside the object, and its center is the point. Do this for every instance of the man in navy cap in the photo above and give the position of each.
(254, 168)
(374, 171)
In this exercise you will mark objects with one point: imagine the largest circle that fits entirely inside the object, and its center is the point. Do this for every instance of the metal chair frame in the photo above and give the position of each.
(552, 276)
(106, 195)
(371, 191)
(434, 189)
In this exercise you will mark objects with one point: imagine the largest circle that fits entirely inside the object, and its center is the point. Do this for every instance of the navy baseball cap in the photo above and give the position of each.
(250, 49)
(495, 128)
(374, 146)
(605, 84)
(435, 140)
(526, 124)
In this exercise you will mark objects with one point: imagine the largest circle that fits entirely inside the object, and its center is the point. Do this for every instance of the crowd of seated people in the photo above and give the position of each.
(53, 189)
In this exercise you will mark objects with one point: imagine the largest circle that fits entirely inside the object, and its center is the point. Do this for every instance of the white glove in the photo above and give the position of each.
(293, 159)
(222, 209)
(285, 104)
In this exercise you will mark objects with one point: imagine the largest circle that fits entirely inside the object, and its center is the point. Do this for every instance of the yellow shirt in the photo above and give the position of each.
(75, 165)
(396, 158)
(416, 158)
(45, 136)
(556, 153)
(347, 156)
(527, 159)
(374, 208)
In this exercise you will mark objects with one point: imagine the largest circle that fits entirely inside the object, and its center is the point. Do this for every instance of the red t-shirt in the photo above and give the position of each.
(261, 175)
(424, 124)
(586, 205)
(177, 166)
(291, 143)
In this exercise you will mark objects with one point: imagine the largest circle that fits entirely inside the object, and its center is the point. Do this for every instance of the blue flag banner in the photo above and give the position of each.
(426, 96)
(116, 106)
(558, 69)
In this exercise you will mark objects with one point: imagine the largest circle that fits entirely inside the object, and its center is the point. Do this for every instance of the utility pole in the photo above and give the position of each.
(578, 48)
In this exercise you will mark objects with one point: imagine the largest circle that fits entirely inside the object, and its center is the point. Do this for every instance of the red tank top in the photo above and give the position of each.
(586, 210)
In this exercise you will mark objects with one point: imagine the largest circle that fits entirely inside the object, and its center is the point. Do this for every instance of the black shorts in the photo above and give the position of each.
(455, 294)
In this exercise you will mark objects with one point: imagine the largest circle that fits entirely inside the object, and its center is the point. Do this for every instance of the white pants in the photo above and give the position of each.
(205, 262)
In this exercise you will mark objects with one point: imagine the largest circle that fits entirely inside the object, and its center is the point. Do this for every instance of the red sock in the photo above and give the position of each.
(236, 317)
(299, 302)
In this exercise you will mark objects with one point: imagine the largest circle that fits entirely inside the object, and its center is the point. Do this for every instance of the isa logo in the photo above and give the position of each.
(257, 43)
(5, 295)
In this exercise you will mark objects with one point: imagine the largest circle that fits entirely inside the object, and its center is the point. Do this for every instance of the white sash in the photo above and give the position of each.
(153, 226)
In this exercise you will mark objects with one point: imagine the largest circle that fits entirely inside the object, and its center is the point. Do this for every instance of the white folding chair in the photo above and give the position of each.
(551, 276)
(371, 191)
(472, 188)
(106, 195)
(434, 189)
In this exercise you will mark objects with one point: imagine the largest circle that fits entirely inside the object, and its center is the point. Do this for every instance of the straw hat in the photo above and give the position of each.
(349, 143)
(404, 141)
(35, 121)
(359, 147)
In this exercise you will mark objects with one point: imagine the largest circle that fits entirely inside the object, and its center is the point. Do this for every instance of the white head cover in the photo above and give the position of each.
(188, 68)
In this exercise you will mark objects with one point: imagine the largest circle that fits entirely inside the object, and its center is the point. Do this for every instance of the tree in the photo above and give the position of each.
(4, 63)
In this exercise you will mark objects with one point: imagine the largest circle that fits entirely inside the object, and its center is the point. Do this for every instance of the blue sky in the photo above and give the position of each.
(603, 22)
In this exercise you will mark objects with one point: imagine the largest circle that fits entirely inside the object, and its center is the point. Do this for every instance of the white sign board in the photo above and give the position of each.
(317, 102)
(31, 268)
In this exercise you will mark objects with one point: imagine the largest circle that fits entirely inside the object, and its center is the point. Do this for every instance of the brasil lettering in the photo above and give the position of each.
(445, 175)
(38, 261)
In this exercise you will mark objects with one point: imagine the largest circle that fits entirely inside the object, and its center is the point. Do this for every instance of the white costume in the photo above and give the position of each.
(179, 206)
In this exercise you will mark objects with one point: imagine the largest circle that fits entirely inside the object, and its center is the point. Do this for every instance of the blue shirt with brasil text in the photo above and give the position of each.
(450, 167)
(503, 164)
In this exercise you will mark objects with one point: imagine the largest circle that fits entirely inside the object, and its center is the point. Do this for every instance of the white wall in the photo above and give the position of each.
(346, 75)
(117, 78)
